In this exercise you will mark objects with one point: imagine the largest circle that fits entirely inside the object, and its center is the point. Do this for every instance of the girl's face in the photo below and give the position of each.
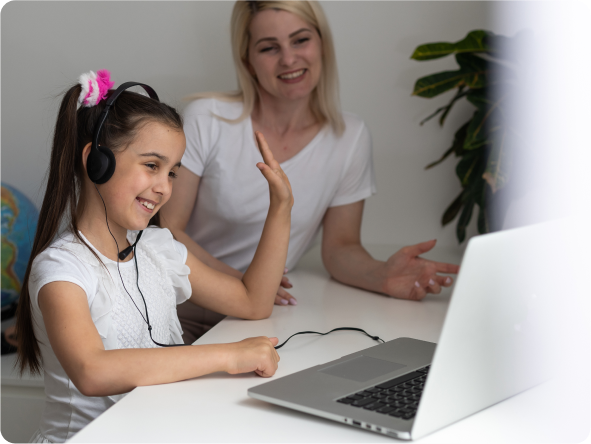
(284, 54)
(143, 176)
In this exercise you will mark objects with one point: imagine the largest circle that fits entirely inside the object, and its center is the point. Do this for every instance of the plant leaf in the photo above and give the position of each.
(471, 62)
(475, 41)
(486, 119)
(461, 93)
(480, 98)
(435, 84)
(430, 116)
(476, 135)
(473, 73)
(453, 209)
(447, 107)
(483, 220)
(468, 166)
(464, 220)
(429, 51)
(498, 165)
(442, 158)
(456, 147)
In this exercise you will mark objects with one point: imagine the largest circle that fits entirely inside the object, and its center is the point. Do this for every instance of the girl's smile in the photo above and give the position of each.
(141, 184)
(143, 177)
(147, 204)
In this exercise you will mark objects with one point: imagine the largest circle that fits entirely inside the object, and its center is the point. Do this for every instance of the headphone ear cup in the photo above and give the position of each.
(100, 164)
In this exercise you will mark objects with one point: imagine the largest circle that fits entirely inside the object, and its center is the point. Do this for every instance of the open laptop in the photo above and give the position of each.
(496, 341)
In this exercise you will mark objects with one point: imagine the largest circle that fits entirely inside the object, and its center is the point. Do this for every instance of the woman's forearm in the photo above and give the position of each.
(203, 255)
(351, 264)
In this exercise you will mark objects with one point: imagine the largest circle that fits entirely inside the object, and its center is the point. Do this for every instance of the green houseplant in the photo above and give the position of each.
(480, 143)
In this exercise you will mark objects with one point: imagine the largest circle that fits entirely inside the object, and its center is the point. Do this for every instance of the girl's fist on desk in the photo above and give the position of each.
(253, 355)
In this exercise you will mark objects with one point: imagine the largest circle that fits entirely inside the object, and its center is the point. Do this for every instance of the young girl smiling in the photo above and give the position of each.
(99, 325)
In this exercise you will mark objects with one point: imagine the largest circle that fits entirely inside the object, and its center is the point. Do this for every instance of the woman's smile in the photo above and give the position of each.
(285, 55)
(293, 76)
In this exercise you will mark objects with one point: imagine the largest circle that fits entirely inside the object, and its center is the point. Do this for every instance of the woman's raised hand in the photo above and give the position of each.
(279, 186)
(253, 355)
(408, 276)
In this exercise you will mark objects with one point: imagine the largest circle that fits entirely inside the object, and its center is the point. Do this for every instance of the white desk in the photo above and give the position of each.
(23, 400)
(215, 408)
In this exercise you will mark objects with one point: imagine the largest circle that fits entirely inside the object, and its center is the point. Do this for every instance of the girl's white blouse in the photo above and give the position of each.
(164, 283)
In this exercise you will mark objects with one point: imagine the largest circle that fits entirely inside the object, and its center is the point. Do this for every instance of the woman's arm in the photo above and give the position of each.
(99, 372)
(404, 275)
(254, 295)
(175, 216)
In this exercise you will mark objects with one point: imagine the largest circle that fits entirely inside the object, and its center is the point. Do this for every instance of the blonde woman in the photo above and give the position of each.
(285, 61)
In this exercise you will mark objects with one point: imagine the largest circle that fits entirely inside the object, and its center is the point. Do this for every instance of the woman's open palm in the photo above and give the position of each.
(412, 277)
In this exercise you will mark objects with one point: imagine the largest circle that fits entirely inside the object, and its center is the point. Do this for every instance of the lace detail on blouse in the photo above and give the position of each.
(132, 330)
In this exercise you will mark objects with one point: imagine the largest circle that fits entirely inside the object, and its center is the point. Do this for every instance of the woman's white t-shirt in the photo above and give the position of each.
(233, 197)
(164, 282)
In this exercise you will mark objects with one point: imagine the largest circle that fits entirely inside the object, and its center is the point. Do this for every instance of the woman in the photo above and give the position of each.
(287, 76)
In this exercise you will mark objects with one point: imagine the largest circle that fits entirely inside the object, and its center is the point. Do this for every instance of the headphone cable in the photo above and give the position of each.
(147, 317)
(375, 338)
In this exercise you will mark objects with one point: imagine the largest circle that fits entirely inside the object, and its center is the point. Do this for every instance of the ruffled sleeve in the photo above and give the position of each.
(67, 259)
(173, 256)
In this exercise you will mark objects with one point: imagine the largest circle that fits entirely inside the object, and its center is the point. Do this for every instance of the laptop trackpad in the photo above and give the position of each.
(362, 368)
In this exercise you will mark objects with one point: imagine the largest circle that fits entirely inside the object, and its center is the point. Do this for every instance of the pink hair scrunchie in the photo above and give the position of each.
(94, 87)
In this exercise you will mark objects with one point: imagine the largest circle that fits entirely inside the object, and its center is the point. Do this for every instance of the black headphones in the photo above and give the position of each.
(100, 164)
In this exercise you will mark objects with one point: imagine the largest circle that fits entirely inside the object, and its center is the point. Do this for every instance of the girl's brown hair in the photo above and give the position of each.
(62, 204)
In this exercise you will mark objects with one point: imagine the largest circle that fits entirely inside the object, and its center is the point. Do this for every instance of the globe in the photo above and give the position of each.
(19, 222)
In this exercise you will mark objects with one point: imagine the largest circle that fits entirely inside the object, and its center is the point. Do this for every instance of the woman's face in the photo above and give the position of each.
(284, 54)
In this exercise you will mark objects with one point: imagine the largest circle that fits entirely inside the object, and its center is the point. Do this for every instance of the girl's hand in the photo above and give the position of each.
(279, 186)
(254, 355)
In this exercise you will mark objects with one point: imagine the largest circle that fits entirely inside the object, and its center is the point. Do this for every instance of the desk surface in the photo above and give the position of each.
(216, 408)
(10, 376)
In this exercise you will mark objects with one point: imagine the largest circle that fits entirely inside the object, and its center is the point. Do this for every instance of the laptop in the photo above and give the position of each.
(497, 340)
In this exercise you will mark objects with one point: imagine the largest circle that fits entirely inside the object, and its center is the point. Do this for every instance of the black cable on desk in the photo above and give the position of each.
(375, 338)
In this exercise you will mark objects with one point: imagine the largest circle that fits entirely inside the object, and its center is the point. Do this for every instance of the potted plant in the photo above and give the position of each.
(484, 78)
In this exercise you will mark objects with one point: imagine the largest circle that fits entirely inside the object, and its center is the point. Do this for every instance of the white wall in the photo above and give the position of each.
(183, 47)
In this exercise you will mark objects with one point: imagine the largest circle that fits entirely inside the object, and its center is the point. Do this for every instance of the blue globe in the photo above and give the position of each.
(19, 223)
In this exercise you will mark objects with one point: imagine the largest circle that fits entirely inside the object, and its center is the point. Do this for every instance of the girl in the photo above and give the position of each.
(94, 322)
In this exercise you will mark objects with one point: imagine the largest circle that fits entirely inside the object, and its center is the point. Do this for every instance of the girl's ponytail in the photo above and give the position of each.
(60, 193)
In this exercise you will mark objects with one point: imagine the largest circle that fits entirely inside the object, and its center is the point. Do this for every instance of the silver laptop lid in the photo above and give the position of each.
(497, 337)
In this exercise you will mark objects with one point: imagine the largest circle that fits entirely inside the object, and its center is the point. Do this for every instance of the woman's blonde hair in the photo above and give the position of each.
(324, 102)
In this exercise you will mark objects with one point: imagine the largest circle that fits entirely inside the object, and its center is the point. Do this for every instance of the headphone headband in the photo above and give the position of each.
(101, 161)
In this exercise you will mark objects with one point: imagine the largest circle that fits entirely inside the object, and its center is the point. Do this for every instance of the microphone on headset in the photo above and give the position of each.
(129, 249)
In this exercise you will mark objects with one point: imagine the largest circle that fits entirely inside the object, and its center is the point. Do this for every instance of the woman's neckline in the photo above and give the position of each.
(312, 142)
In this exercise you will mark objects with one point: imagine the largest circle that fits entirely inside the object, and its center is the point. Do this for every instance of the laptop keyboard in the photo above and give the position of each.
(398, 397)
